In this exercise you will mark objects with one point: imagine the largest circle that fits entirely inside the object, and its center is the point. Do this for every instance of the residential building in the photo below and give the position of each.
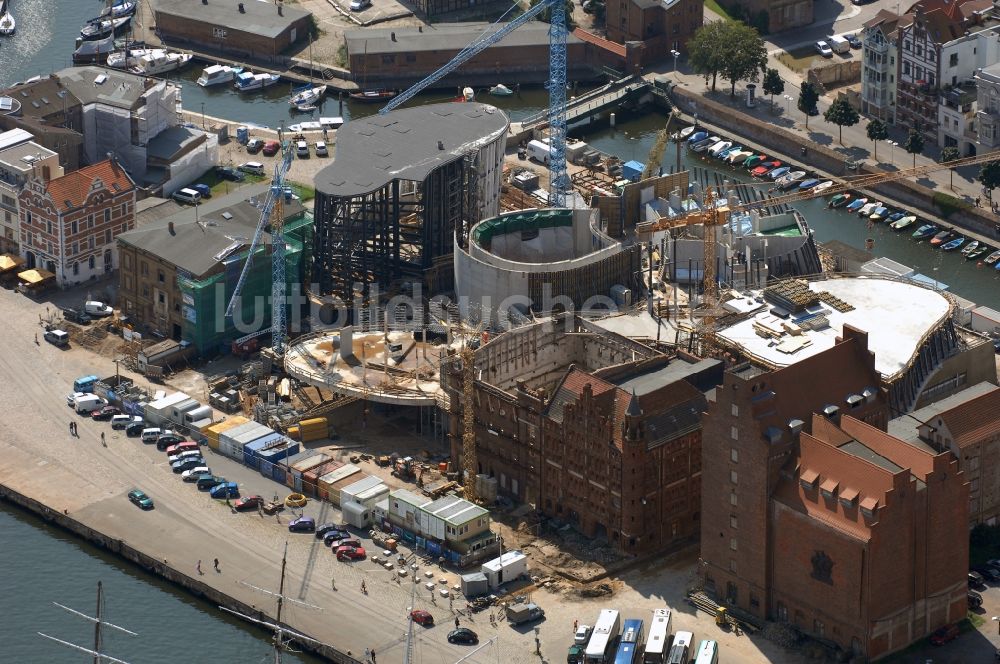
(939, 49)
(179, 271)
(659, 25)
(956, 126)
(878, 62)
(20, 159)
(988, 106)
(772, 16)
(248, 29)
(69, 224)
(827, 522)
(50, 113)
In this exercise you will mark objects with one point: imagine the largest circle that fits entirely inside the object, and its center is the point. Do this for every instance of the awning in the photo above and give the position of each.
(35, 276)
(9, 262)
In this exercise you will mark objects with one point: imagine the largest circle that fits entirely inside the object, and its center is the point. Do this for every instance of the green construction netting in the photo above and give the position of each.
(516, 222)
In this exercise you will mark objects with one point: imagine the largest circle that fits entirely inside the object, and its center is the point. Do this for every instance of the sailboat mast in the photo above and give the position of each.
(97, 626)
(281, 598)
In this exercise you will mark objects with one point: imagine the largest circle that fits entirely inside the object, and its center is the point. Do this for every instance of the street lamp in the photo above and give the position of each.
(788, 102)
(892, 152)
(676, 54)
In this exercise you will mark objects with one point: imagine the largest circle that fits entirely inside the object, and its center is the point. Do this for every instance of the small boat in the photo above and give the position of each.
(763, 169)
(246, 81)
(954, 244)
(697, 137)
(977, 252)
(128, 58)
(681, 135)
(779, 172)
(823, 186)
(308, 96)
(867, 209)
(754, 160)
(701, 146)
(373, 96)
(839, 200)
(924, 232)
(942, 237)
(96, 50)
(160, 62)
(789, 178)
(879, 213)
(120, 8)
(738, 157)
(725, 153)
(856, 204)
(903, 222)
(993, 258)
(501, 90)
(895, 216)
(97, 28)
(808, 184)
(969, 248)
(8, 25)
(217, 74)
(718, 148)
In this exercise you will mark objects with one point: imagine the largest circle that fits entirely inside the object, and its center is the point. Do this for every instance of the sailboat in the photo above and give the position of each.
(308, 97)
(7, 23)
(120, 8)
(99, 624)
(371, 96)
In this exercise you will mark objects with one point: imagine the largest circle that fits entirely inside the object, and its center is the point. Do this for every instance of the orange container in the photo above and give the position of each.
(443, 466)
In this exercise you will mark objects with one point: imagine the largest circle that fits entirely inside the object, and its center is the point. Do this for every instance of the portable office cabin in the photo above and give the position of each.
(362, 491)
(232, 442)
(453, 519)
(475, 584)
(158, 411)
(506, 568)
(300, 466)
(177, 411)
(212, 433)
(310, 478)
(251, 449)
(273, 456)
(329, 485)
(198, 414)
(226, 437)
(404, 508)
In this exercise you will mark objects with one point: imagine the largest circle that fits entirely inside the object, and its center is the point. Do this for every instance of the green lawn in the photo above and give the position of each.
(718, 9)
(798, 59)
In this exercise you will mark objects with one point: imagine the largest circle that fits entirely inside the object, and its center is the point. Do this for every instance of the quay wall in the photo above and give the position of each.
(788, 147)
(160, 568)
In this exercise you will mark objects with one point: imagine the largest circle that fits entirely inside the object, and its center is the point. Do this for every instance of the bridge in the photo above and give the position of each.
(594, 102)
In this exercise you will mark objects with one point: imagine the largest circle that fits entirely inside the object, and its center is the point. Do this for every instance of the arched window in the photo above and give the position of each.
(90, 263)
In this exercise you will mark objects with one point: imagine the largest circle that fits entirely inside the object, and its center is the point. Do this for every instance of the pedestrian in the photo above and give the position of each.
(216, 563)
(373, 655)
(199, 568)
(574, 626)
(456, 622)
(333, 582)
(103, 442)
(368, 654)
(71, 428)
(36, 338)
(978, 201)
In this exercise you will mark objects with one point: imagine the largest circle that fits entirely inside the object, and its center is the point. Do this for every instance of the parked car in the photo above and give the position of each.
(422, 617)
(254, 145)
(990, 573)
(71, 398)
(824, 49)
(96, 308)
(106, 413)
(944, 635)
(995, 563)
(210, 482)
(582, 634)
(976, 580)
(359, 5)
(182, 446)
(168, 439)
(203, 189)
(303, 524)
(196, 473)
(119, 422)
(351, 543)
(186, 464)
(853, 40)
(248, 503)
(271, 148)
(463, 635)
(135, 429)
(350, 553)
(321, 150)
(57, 337)
(321, 531)
(253, 167)
(225, 490)
(150, 434)
(335, 536)
(182, 455)
(301, 149)
(975, 599)
(140, 499)
(76, 316)
(231, 174)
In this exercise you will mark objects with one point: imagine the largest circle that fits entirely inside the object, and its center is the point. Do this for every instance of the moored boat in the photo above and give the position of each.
(681, 135)
(373, 96)
(160, 62)
(310, 96)
(8, 25)
(969, 248)
(856, 204)
(790, 180)
(718, 148)
(753, 160)
(808, 184)
(903, 222)
(895, 216)
(779, 172)
(942, 237)
(120, 8)
(218, 74)
(127, 58)
(992, 258)
(97, 28)
(924, 232)
(867, 209)
(697, 137)
(738, 157)
(839, 200)
(977, 252)
(879, 213)
(953, 244)
(701, 146)
(725, 153)
(823, 186)
(760, 170)
(246, 81)
(501, 90)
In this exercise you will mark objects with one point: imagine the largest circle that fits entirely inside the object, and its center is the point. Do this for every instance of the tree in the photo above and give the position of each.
(950, 153)
(745, 56)
(842, 114)
(807, 100)
(877, 131)
(773, 85)
(705, 51)
(546, 15)
(914, 144)
(989, 175)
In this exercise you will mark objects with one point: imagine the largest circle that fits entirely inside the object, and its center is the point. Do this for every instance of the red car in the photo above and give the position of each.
(944, 635)
(422, 617)
(271, 148)
(350, 553)
(248, 503)
(353, 543)
(105, 413)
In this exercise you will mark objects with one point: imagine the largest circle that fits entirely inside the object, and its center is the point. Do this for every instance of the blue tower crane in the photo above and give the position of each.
(272, 204)
(559, 183)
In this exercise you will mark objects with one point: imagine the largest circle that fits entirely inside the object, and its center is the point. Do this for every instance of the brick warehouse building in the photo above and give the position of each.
(827, 523)
(69, 224)
(659, 25)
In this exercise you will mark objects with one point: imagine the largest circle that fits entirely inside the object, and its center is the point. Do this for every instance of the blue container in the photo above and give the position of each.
(278, 453)
(278, 473)
(242, 135)
(632, 170)
(250, 457)
(265, 467)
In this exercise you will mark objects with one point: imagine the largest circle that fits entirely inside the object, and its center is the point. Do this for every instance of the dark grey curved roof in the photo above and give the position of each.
(403, 144)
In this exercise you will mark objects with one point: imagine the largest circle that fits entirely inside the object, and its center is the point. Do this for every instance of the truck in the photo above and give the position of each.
(839, 44)
(539, 151)
(524, 612)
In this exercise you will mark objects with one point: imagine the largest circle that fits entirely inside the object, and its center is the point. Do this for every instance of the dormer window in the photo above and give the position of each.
(808, 479)
(868, 507)
(849, 498)
(829, 489)
(855, 401)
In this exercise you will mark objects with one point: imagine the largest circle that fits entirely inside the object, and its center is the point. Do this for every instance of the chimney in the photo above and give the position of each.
(440, 145)
(392, 36)
(242, 9)
(170, 225)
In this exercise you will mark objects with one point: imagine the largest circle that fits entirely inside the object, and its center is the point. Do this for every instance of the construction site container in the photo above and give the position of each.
(506, 568)
(177, 411)
(329, 485)
(314, 429)
(250, 458)
(197, 428)
(296, 469)
(212, 433)
(158, 411)
(486, 488)
(199, 413)
(404, 508)
(361, 491)
(632, 170)
(310, 478)
(272, 456)
(475, 584)
(232, 442)
(356, 514)
(985, 320)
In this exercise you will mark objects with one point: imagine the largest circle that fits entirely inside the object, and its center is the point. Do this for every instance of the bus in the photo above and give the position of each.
(628, 647)
(708, 653)
(602, 638)
(658, 643)
(679, 650)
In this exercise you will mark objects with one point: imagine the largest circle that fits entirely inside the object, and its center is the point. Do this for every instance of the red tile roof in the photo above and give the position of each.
(920, 462)
(975, 420)
(606, 44)
(71, 190)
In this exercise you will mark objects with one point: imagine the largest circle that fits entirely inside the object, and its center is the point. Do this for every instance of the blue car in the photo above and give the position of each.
(303, 524)
(226, 490)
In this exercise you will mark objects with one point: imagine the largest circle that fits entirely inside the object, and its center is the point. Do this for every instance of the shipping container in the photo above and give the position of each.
(250, 458)
(212, 433)
(158, 410)
(333, 482)
(507, 567)
(232, 442)
(314, 429)
(310, 478)
(200, 413)
(296, 470)
(277, 451)
(177, 411)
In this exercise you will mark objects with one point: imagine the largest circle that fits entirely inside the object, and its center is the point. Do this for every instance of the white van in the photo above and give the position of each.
(150, 435)
(57, 337)
(839, 44)
(252, 167)
(88, 403)
(122, 421)
(188, 196)
(539, 151)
